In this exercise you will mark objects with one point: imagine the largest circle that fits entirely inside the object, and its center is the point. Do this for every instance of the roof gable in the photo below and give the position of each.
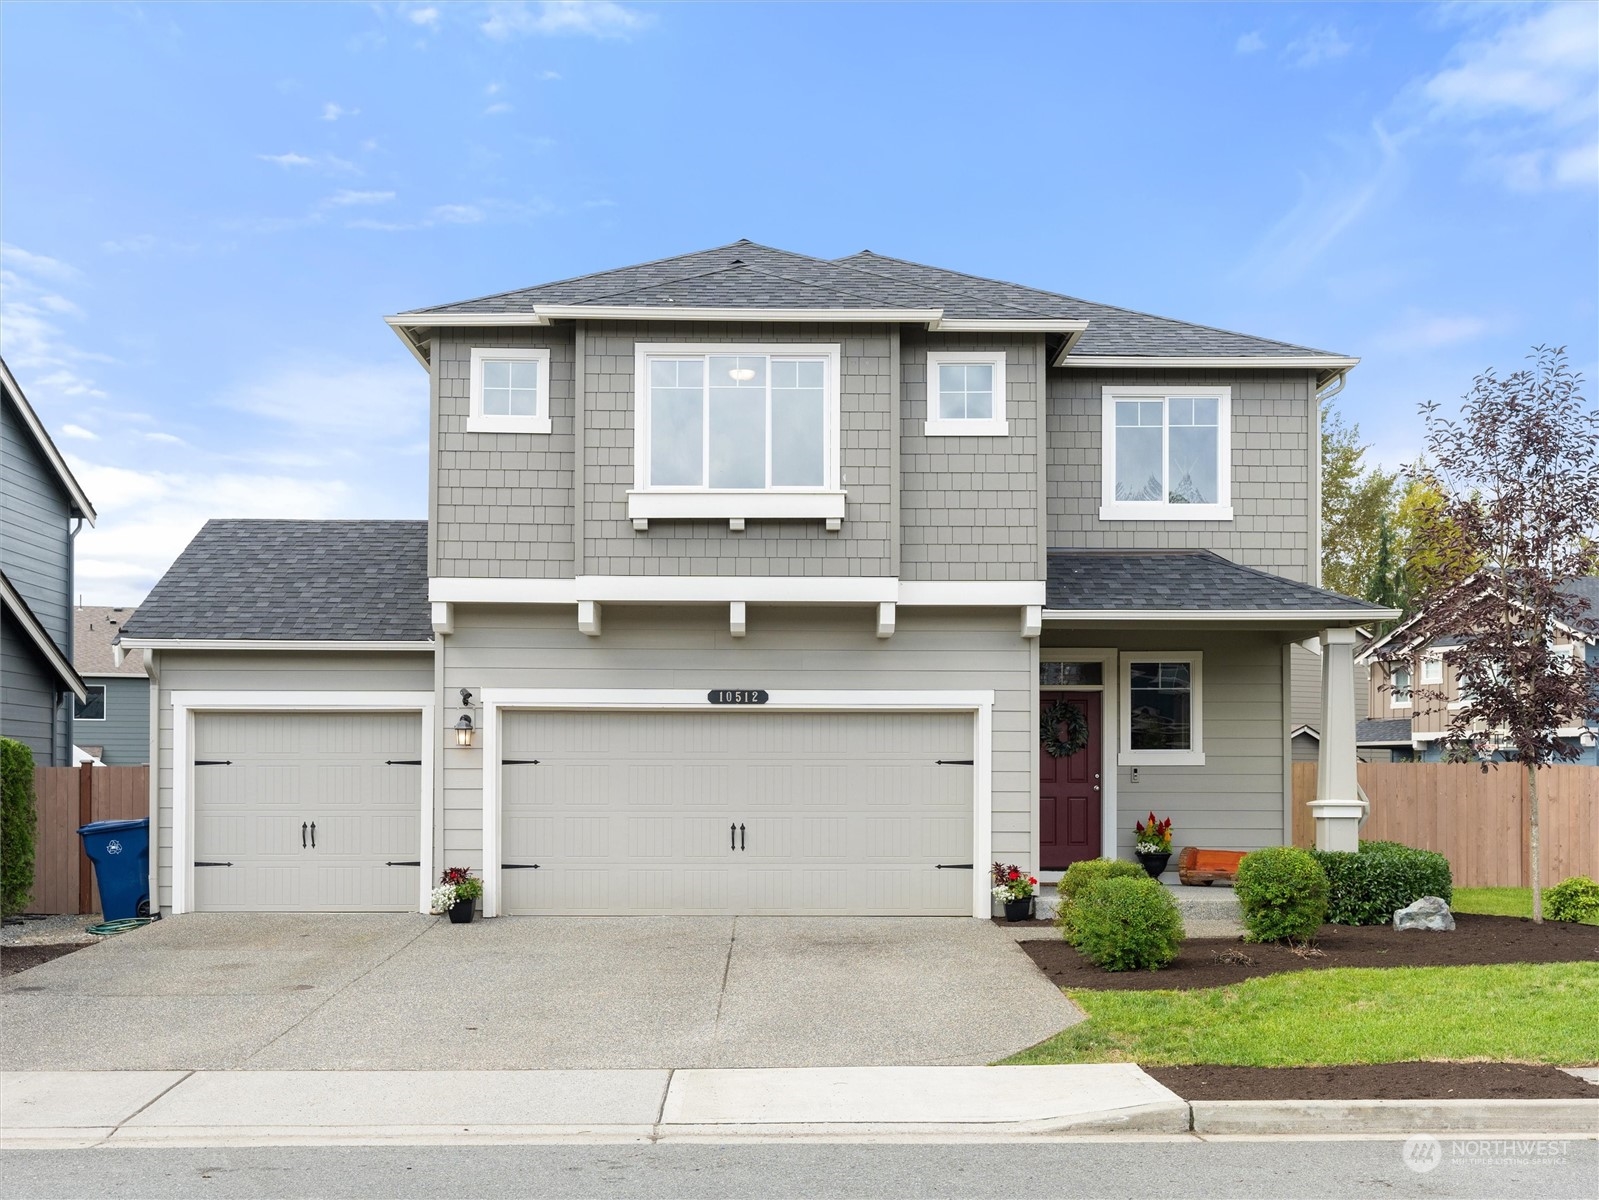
(46, 446)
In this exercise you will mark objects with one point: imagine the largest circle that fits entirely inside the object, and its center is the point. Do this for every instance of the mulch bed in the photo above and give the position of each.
(1383, 1081)
(1216, 962)
(20, 958)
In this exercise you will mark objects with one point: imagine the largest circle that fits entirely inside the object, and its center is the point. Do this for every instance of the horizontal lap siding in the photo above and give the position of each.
(124, 735)
(969, 506)
(28, 700)
(1274, 455)
(248, 671)
(35, 551)
(1234, 801)
(690, 647)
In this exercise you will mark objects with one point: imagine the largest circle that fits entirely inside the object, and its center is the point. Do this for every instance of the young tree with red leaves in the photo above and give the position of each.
(1518, 471)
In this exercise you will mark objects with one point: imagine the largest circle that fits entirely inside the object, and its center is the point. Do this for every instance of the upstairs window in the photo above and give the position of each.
(966, 394)
(738, 419)
(92, 709)
(1168, 454)
(1432, 669)
(1401, 687)
(510, 391)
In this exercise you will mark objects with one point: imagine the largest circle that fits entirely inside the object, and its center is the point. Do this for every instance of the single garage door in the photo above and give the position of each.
(736, 811)
(263, 779)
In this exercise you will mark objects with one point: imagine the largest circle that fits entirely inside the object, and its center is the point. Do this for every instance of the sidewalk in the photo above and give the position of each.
(78, 1109)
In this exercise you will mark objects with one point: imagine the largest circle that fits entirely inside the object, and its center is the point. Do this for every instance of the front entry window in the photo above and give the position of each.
(1161, 703)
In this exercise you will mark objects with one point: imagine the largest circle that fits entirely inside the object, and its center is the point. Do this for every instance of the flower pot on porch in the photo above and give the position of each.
(1019, 910)
(461, 912)
(1154, 864)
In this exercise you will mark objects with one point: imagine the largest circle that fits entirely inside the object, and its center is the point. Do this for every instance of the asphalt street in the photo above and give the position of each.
(1498, 1169)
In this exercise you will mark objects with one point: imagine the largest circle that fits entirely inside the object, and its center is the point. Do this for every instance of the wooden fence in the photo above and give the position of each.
(1477, 820)
(63, 878)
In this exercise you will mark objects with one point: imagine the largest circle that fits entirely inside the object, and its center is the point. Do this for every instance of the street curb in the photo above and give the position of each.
(1265, 1118)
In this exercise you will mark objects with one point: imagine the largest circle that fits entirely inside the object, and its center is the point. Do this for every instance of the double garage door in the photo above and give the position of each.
(305, 812)
(737, 811)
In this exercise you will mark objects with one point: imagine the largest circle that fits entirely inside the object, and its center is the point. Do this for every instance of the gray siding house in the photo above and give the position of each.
(41, 509)
(759, 583)
(113, 723)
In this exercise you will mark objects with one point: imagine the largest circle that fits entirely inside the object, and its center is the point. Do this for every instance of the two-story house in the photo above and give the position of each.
(759, 583)
(41, 509)
(1415, 692)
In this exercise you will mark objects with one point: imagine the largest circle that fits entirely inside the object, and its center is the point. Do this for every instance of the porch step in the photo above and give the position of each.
(1206, 911)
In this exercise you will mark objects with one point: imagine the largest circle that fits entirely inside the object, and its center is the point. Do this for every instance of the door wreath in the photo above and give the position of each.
(1063, 729)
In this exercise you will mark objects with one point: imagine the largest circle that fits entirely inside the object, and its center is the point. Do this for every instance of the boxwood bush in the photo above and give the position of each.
(1577, 899)
(1283, 893)
(1370, 885)
(1123, 923)
(17, 826)
(1078, 876)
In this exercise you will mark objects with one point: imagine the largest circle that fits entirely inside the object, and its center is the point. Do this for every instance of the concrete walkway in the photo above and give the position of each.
(407, 992)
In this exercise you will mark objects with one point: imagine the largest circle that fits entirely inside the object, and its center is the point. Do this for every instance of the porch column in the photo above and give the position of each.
(1337, 807)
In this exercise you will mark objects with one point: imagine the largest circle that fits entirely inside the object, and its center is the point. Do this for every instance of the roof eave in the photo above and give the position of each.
(1219, 616)
(1329, 364)
(277, 644)
(47, 445)
(41, 639)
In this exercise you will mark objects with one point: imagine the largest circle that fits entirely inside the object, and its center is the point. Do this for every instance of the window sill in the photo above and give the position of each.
(993, 427)
(729, 506)
(1127, 511)
(1161, 758)
(482, 424)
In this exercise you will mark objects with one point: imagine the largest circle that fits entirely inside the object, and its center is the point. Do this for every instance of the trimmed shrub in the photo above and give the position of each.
(1122, 923)
(1577, 899)
(1078, 876)
(1369, 886)
(1283, 893)
(18, 824)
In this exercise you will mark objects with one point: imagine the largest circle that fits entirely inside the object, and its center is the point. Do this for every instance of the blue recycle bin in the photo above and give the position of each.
(120, 852)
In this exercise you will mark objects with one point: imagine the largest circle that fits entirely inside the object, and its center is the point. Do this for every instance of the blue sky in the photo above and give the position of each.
(206, 210)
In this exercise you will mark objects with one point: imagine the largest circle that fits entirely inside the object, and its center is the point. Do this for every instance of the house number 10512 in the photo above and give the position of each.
(726, 696)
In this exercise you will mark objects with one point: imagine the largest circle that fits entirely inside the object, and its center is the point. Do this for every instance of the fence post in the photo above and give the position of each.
(85, 815)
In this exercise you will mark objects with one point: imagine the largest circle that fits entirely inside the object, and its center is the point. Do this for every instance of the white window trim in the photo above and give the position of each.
(769, 503)
(1112, 509)
(1394, 693)
(477, 421)
(979, 703)
(997, 425)
(1433, 662)
(105, 705)
(1192, 757)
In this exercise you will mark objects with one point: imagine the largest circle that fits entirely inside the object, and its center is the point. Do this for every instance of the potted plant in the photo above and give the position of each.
(1152, 844)
(1016, 889)
(457, 894)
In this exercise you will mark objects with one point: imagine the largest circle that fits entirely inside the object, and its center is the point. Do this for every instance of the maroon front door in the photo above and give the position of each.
(1068, 789)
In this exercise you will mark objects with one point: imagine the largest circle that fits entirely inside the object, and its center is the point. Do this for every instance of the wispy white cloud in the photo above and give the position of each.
(427, 16)
(346, 198)
(498, 108)
(39, 265)
(32, 337)
(286, 160)
(79, 432)
(1249, 43)
(165, 439)
(548, 76)
(329, 163)
(332, 111)
(138, 244)
(1430, 331)
(1321, 44)
(583, 18)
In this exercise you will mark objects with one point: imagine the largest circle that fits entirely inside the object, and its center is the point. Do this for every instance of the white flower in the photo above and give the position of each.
(443, 898)
(1150, 848)
(1002, 892)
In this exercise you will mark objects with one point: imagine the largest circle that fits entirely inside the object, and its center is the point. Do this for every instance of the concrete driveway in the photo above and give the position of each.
(402, 992)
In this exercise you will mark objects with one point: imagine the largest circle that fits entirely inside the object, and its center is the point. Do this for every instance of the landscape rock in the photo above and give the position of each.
(1430, 912)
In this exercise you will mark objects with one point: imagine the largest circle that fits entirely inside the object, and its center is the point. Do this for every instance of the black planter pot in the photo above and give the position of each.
(1154, 864)
(461, 912)
(1019, 910)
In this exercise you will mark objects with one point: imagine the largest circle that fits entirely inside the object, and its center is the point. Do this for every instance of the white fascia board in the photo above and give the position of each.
(1322, 362)
(1007, 325)
(439, 320)
(625, 312)
(46, 444)
(267, 644)
(443, 590)
(971, 594)
(1216, 615)
(746, 505)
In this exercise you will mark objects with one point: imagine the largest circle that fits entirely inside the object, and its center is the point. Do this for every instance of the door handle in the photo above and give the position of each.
(313, 835)
(1096, 787)
(741, 844)
(732, 837)
(302, 835)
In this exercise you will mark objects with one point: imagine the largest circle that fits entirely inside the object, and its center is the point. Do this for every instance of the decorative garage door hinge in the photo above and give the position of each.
(953, 762)
(519, 762)
(213, 762)
(402, 762)
(519, 866)
(955, 867)
(417, 863)
(212, 864)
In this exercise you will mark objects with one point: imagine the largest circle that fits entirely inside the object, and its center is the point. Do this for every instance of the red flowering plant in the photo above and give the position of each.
(1012, 883)
(1153, 837)
(455, 885)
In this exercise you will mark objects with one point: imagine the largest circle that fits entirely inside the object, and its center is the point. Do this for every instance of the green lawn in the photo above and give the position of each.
(1509, 1013)
(1499, 902)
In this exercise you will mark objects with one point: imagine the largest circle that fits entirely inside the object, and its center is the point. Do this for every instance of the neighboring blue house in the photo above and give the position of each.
(41, 509)
(113, 724)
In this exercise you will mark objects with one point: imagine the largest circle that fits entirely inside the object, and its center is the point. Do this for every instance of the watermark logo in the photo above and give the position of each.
(1422, 1153)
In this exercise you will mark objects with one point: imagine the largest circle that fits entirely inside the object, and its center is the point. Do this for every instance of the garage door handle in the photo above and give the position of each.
(741, 843)
(954, 867)
(313, 835)
(302, 835)
(732, 836)
(519, 866)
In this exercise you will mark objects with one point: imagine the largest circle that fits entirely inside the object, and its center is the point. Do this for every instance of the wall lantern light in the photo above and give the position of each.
(463, 730)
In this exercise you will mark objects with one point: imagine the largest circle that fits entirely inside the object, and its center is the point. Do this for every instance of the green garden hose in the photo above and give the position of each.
(107, 928)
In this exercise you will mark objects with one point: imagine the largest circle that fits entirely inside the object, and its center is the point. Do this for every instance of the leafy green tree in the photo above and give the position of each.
(1354, 501)
(1389, 584)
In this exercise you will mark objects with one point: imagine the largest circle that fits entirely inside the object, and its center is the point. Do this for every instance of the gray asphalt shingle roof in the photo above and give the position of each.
(239, 580)
(747, 275)
(1186, 580)
(1380, 732)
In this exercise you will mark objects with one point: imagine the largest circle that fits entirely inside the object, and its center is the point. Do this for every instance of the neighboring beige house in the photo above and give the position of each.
(759, 583)
(112, 725)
